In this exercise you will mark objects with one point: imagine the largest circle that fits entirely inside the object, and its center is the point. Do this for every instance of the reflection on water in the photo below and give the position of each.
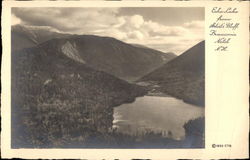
(165, 115)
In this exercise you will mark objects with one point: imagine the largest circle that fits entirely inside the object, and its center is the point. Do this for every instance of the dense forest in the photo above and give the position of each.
(56, 101)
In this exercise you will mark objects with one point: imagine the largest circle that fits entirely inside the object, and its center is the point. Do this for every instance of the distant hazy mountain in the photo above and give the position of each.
(184, 76)
(23, 36)
(57, 100)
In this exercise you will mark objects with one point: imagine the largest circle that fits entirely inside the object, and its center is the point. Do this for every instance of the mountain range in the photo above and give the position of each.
(123, 60)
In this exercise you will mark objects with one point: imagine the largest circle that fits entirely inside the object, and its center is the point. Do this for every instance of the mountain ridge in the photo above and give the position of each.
(184, 76)
(109, 55)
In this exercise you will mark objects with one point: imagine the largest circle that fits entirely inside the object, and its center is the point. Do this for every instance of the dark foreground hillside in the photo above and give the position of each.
(58, 102)
(184, 76)
(195, 133)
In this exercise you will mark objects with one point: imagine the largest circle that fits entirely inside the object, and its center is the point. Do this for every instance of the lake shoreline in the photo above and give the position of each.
(156, 89)
(130, 110)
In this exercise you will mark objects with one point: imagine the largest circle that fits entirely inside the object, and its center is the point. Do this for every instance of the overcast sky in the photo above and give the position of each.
(166, 29)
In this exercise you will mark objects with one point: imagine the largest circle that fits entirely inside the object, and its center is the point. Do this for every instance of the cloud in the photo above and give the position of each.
(107, 22)
(136, 21)
(75, 20)
(111, 32)
(194, 24)
(136, 35)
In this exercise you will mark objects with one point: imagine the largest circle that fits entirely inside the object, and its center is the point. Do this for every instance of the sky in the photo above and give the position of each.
(165, 29)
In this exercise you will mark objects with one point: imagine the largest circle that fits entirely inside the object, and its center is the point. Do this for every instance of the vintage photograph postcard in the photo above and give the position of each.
(101, 79)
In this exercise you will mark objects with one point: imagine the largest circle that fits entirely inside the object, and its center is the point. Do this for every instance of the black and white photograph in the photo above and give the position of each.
(108, 77)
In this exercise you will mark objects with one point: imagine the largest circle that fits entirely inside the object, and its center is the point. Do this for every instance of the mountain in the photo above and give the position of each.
(106, 54)
(23, 36)
(184, 76)
(109, 55)
(57, 100)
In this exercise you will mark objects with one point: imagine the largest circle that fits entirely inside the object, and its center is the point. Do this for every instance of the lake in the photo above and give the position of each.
(164, 115)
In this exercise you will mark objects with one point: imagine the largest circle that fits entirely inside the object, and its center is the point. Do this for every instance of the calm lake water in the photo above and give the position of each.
(165, 115)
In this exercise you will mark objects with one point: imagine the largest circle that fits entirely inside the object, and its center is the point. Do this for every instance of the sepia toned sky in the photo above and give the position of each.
(166, 29)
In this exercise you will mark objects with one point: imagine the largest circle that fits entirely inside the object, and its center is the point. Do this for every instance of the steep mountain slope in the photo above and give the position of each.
(29, 36)
(57, 101)
(109, 55)
(184, 76)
